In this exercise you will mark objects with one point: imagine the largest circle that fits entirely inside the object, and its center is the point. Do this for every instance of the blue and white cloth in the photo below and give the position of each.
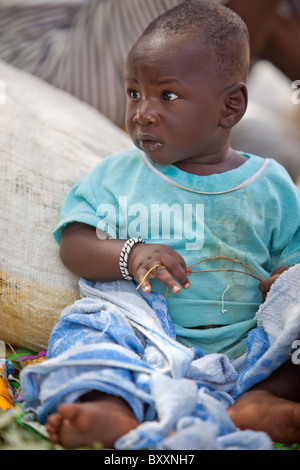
(121, 341)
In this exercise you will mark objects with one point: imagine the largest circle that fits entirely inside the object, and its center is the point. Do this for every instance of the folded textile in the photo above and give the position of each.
(9, 375)
(121, 341)
(6, 390)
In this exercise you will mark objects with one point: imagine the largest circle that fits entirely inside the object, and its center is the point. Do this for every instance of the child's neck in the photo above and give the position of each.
(216, 165)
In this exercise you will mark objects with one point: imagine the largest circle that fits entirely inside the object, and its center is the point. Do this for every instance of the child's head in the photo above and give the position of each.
(185, 81)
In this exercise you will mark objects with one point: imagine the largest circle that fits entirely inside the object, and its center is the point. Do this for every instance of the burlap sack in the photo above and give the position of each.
(48, 140)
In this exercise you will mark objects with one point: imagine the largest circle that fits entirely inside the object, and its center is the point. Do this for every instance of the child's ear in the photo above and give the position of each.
(234, 105)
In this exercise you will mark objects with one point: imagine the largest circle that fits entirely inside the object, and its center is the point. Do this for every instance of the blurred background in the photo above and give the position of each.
(80, 46)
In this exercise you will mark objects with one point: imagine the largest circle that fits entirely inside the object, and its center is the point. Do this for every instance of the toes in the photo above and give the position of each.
(52, 427)
(69, 411)
(53, 421)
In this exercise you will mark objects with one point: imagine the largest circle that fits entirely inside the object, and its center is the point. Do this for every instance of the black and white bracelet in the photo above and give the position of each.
(124, 257)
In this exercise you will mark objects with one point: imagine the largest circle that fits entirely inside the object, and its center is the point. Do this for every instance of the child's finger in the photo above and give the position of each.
(167, 276)
(161, 273)
(179, 271)
(143, 277)
(145, 286)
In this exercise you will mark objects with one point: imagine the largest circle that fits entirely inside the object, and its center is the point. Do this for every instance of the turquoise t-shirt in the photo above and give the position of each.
(250, 214)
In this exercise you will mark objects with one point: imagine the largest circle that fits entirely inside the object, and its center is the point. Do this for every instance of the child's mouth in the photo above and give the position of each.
(149, 144)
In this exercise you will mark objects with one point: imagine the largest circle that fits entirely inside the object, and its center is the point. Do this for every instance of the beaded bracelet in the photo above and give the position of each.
(124, 257)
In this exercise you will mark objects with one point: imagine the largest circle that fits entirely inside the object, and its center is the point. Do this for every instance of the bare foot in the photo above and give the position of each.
(84, 424)
(261, 410)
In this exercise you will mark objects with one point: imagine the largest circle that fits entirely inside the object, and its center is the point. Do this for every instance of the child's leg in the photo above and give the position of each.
(272, 406)
(99, 418)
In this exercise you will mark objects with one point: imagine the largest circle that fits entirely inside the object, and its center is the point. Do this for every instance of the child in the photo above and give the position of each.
(188, 197)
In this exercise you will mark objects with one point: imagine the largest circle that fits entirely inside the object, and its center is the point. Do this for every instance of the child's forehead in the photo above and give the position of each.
(166, 45)
(170, 54)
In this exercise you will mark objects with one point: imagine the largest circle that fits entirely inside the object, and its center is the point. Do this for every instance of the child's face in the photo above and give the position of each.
(173, 100)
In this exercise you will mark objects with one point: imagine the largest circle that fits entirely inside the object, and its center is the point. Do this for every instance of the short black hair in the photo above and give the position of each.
(218, 25)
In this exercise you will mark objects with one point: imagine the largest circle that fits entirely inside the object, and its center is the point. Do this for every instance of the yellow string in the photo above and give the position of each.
(254, 271)
(259, 274)
(226, 270)
(148, 272)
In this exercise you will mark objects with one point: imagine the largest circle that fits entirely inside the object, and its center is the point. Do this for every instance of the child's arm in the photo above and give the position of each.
(98, 260)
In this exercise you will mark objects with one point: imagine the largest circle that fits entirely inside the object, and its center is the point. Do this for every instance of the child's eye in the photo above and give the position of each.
(169, 96)
(133, 94)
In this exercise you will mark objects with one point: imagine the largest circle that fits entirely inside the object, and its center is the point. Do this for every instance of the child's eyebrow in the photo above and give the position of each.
(165, 81)
(157, 82)
(130, 78)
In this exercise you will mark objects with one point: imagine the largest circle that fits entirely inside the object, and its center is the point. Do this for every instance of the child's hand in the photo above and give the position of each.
(265, 285)
(143, 257)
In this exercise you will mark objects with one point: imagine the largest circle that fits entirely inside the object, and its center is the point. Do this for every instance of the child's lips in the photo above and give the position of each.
(149, 143)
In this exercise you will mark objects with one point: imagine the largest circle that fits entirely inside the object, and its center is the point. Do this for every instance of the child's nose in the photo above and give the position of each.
(146, 113)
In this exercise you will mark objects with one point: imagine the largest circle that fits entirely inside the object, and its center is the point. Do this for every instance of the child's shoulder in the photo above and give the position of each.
(272, 169)
(126, 159)
(276, 183)
(277, 172)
